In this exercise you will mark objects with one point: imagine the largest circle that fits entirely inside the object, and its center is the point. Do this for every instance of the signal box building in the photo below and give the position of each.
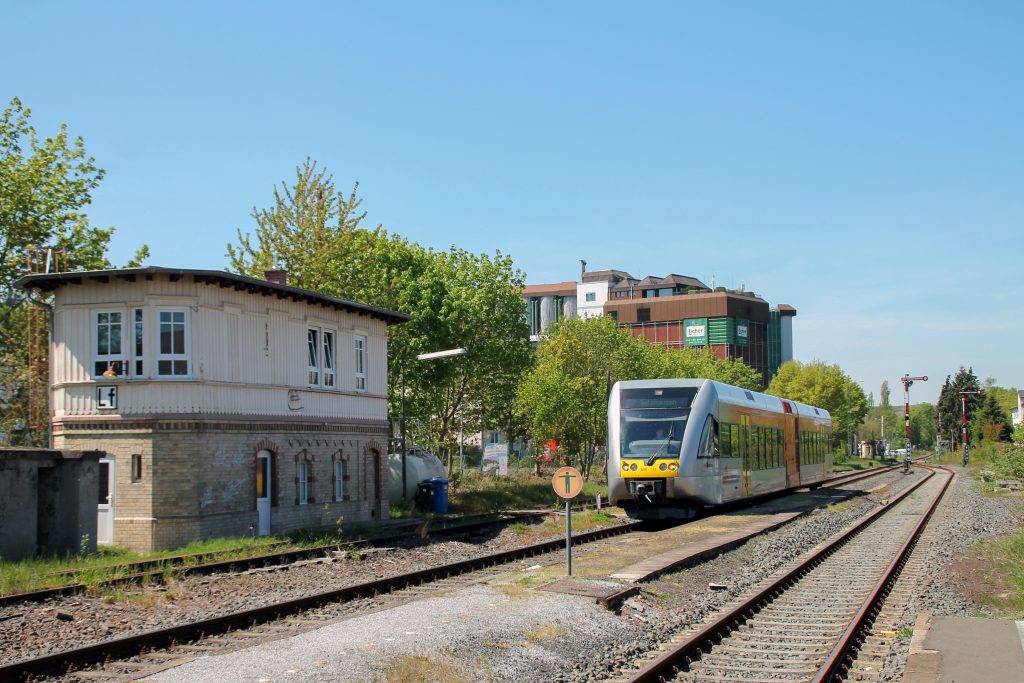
(228, 405)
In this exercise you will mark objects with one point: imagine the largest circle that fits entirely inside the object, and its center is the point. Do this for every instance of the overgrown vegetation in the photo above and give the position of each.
(432, 668)
(1005, 575)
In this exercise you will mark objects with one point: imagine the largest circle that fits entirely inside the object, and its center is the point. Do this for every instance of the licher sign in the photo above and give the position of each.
(695, 331)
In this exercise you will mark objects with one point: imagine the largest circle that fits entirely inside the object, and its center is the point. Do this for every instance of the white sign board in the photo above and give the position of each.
(696, 330)
(496, 458)
(106, 397)
(741, 331)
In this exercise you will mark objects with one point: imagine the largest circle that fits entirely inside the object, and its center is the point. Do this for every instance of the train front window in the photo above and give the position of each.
(653, 421)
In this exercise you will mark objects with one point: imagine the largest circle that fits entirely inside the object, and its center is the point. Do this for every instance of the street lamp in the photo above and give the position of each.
(433, 355)
(963, 412)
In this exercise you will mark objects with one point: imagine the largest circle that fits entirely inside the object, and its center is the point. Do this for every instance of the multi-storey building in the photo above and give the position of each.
(229, 405)
(676, 311)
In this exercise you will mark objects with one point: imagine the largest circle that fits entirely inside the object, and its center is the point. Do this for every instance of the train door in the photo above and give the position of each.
(790, 436)
(746, 448)
(105, 503)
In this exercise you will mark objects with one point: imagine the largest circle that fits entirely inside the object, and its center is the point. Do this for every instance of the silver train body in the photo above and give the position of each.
(677, 445)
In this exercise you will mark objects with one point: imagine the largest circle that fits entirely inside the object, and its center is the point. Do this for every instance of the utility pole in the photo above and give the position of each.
(907, 382)
(963, 413)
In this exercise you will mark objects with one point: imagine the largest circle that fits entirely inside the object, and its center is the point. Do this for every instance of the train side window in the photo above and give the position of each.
(725, 439)
(707, 439)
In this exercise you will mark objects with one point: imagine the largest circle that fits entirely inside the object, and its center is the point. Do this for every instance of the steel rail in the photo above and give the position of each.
(837, 659)
(177, 563)
(691, 649)
(62, 662)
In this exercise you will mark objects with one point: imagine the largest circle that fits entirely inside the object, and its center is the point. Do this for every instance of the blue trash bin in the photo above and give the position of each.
(440, 502)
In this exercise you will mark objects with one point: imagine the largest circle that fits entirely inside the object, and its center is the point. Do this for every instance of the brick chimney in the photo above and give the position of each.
(278, 276)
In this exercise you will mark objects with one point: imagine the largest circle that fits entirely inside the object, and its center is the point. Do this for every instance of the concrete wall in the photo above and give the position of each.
(47, 502)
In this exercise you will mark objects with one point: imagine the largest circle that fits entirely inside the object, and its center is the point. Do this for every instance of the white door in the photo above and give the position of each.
(263, 491)
(105, 503)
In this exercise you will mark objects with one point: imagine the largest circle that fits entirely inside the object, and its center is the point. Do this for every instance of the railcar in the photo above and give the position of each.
(677, 445)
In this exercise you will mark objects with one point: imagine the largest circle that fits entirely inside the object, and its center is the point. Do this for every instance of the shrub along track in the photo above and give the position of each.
(805, 624)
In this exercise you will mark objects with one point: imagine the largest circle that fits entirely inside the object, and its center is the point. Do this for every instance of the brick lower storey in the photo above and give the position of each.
(196, 479)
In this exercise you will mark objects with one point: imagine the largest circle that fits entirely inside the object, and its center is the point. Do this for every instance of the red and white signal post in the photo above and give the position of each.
(907, 381)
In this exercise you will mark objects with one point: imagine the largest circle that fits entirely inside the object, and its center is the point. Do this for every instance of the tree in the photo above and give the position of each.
(949, 409)
(922, 424)
(456, 298)
(565, 396)
(45, 186)
(824, 386)
(990, 422)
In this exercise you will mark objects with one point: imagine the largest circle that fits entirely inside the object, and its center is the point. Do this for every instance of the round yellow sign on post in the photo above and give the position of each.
(567, 482)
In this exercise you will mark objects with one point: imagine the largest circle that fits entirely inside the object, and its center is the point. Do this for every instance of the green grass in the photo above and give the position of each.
(1007, 575)
(475, 494)
(109, 563)
(857, 464)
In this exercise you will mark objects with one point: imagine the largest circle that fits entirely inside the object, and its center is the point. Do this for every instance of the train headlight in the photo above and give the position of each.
(633, 467)
(673, 467)
(625, 467)
(663, 467)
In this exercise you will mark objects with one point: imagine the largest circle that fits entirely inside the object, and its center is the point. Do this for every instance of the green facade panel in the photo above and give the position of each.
(729, 331)
(695, 331)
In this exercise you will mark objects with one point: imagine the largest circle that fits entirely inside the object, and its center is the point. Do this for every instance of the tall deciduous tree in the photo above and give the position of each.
(44, 186)
(825, 386)
(456, 298)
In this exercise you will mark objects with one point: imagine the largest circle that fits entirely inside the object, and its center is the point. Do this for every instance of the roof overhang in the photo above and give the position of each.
(48, 282)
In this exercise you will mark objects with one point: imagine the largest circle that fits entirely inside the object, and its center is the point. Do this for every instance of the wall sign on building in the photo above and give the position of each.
(695, 331)
(106, 397)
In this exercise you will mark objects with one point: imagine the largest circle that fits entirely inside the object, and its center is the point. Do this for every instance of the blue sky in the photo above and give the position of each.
(863, 162)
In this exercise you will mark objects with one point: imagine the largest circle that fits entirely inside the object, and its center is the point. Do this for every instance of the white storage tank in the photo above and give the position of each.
(419, 465)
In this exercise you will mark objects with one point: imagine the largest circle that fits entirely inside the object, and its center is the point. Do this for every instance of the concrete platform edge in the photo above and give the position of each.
(922, 664)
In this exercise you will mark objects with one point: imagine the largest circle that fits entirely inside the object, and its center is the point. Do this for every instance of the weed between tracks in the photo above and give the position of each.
(431, 668)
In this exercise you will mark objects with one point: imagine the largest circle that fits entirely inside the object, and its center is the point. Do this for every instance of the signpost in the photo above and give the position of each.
(567, 482)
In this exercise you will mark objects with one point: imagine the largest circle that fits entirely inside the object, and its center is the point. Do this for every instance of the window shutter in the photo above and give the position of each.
(275, 485)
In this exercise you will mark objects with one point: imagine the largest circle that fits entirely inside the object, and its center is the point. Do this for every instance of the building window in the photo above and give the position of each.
(329, 359)
(313, 357)
(643, 315)
(649, 293)
(360, 347)
(321, 355)
(614, 315)
(136, 467)
(110, 357)
(173, 357)
(557, 305)
(339, 480)
(665, 291)
(591, 296)
(533, 315)
(303, 482)
(139, 366)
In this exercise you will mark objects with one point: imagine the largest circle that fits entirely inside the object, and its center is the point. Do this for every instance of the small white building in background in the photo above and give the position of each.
(229, 405)
(1018, 412)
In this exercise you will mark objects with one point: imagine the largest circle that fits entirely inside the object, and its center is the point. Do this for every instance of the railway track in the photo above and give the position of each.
(805, 624)
(116, 655)
(156, 571)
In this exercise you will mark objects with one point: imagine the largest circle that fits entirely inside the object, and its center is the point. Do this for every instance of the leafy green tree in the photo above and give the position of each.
(825, 386)
(990, 422)
(456, 298)
(44, 186)
(922, 424)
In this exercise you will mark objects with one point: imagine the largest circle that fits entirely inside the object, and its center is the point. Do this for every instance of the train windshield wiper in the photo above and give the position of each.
(663, 447)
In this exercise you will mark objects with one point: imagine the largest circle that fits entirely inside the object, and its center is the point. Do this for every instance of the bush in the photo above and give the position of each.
(1009, 463)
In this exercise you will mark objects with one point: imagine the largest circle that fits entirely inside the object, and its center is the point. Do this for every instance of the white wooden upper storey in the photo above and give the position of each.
(191, 342)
